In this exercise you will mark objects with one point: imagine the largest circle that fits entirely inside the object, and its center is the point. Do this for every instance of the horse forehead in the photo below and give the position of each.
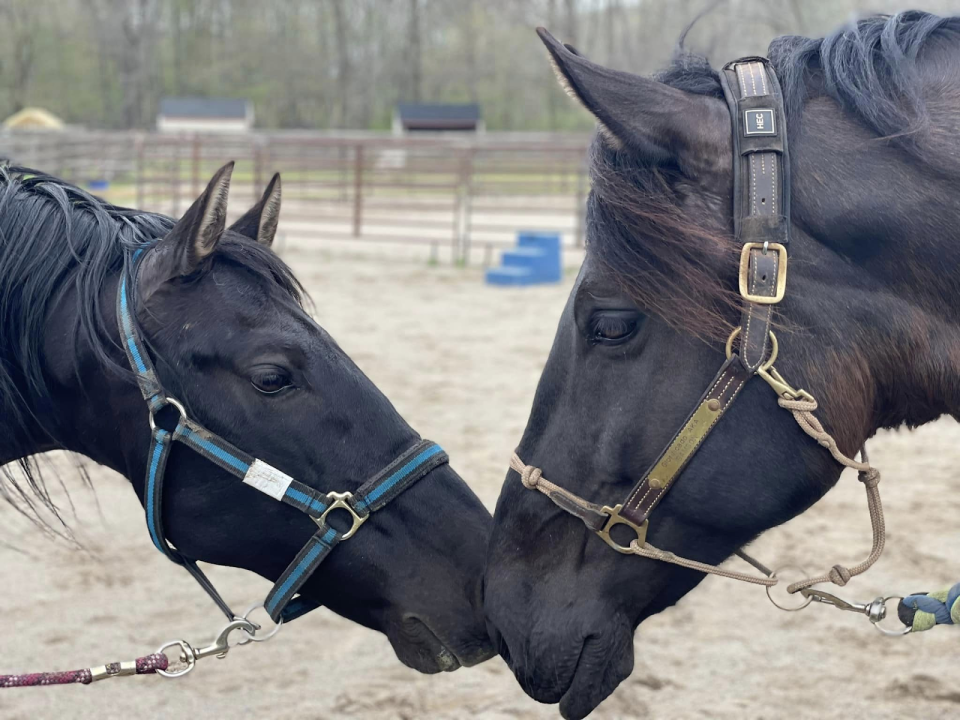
(233, 305)
(246, 295)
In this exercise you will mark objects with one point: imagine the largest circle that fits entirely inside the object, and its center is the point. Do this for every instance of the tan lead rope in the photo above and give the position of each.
(802, 411)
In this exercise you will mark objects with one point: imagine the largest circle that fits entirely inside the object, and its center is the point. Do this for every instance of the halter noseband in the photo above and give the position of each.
(761, 218)
(281, 603)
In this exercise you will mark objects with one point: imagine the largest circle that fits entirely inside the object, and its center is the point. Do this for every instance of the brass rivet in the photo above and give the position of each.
(713, 405)
(655, 483)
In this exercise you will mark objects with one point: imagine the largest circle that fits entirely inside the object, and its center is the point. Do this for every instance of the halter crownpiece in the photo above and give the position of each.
(761, 220)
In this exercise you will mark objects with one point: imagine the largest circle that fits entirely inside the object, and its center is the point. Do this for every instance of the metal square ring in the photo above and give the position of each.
(341, 501)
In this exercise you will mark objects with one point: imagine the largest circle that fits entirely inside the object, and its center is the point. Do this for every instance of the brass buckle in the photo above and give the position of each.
(340, 502)
(745, 273)
(617, 519)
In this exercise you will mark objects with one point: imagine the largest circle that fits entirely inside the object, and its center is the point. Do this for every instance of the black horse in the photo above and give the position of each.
(223, 319)
(869, 326)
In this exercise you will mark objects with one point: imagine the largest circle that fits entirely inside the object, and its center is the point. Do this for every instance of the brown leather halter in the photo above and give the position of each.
(761, 220)
(761, 217)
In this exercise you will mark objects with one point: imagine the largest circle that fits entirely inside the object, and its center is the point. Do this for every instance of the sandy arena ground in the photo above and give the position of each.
(461, 361)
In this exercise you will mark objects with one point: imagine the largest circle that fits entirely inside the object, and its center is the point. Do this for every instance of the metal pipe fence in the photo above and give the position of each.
(470, 194)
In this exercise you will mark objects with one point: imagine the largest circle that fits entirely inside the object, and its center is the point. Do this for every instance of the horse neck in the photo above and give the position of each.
(877, 223)
(21, 438)
(82, 411)
(23, 422)
(915, 344)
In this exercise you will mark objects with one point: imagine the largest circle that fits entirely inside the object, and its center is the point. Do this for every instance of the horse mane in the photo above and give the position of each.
(870, 67)
(54, 237)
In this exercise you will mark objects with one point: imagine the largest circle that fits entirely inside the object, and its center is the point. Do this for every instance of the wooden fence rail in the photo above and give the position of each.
(465, 193)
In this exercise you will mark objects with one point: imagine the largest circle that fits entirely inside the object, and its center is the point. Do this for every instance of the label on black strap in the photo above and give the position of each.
(267, 479)
(759, 121)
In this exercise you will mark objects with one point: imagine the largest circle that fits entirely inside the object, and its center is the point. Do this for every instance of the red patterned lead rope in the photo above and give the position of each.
(141, 666)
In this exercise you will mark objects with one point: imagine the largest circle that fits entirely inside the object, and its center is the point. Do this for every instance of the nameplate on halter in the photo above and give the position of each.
(759, 121)
(267, 479)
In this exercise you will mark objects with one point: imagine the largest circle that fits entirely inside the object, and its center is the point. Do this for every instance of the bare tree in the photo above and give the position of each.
(345, 63)
(22, 17)
(414, 52)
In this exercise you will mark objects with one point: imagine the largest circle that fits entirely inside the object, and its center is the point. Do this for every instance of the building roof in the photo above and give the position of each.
(438, 115)
(33, 118)
(438, 111)
(204, 107)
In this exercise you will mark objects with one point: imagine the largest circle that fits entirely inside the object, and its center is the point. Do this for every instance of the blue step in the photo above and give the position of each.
(523, 257)
(512, 276)
(536, 259)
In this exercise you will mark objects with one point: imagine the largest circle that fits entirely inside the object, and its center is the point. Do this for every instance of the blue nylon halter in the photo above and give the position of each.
(282, 602)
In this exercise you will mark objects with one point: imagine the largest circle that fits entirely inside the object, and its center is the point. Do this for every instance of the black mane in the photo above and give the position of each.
(870, 67)
(54, 237)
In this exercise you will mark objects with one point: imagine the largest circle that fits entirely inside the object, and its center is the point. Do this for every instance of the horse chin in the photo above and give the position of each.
(418, 647)
(601, 668)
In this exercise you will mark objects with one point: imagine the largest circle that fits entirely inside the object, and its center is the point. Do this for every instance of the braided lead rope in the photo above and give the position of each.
(922, 611)
(141, 666)
(802, 411)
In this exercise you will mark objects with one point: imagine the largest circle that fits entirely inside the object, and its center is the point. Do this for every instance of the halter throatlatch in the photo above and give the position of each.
(282, 603)
(761, 217)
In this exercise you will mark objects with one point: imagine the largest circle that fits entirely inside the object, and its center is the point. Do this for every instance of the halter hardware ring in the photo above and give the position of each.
(807, 599)
(617, 519)
(251, 636)
(167, 401)
(898, 632)
(341, 500)
(774, 349)
(187, 656)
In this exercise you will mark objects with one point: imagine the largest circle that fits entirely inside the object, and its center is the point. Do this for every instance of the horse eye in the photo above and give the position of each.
(271, 381)
(613, 326)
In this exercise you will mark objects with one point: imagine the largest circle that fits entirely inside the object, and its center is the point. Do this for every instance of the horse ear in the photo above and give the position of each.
(656, 120)
(260, 222)
(192, 239)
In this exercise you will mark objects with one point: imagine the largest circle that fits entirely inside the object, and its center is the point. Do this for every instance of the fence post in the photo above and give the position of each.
(139, 180)
(358, 190)
(580, 239)
(461, 221)
(257, 167)
(175, 180)
(195, 167)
